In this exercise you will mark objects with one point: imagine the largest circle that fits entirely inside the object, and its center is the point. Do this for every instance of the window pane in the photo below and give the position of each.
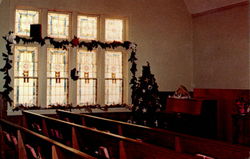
(57, 62)
(25, 92)
(86, 85)
(87, 27)
(113, 64)
(57, 73)
(113, 91)
(23, 20)
(86, 64)
(25, 76)
(57, 91)
(86, 89)
(58, 25)
(113, 77)
(113, 30)
(25, 61)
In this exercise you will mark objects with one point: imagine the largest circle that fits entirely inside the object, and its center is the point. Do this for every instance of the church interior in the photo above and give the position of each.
(106, 79)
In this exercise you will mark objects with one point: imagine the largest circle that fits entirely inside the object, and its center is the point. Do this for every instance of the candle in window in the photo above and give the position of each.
(57, 74)
(113, 78)
(86, 76)
(26, 76)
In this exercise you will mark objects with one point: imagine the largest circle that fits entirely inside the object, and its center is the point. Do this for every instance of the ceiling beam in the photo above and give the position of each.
(220, 9)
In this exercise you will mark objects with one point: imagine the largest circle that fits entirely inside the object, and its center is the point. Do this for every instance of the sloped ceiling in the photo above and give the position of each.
(199, 6)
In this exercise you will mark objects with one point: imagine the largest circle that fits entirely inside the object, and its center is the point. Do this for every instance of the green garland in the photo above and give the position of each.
(12, 39)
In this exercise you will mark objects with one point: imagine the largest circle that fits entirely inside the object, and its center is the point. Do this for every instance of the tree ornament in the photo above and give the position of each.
(150, 87)
(146, 80)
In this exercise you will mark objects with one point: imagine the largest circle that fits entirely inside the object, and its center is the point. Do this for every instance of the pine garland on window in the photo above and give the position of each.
(11, 39)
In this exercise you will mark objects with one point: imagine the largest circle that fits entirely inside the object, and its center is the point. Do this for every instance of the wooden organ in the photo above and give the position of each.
(192, 116)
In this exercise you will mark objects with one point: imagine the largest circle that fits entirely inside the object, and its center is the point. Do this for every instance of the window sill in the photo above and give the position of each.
(53, 111)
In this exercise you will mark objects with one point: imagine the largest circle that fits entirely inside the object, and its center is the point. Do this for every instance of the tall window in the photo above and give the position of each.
(113, 63)
(87, 27)
(23, 20)
(57, 76)
(58, 25)
(86, 84)
(113, 29)
(113, 77)
(25, 76)
(101, 77)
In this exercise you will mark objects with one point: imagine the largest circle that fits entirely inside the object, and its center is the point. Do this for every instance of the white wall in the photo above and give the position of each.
(221, 49)
(161, 28)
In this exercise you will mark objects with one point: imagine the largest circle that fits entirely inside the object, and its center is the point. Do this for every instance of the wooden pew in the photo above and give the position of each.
(172, 140)
(90, 140)
(27, 144)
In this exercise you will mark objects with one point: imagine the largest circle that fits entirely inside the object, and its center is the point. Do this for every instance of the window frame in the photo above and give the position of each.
(28, 9)
(67, 79)
(69, 25)
(97, 25)
(20, 77)
(125, 75)
(124, 30)
(96, 78)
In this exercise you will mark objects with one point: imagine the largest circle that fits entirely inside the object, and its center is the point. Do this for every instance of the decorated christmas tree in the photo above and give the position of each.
(146, 99)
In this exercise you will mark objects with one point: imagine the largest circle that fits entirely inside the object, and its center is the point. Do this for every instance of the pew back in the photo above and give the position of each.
(27, 144)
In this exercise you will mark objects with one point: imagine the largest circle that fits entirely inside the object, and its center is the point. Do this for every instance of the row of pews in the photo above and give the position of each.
(73, 135)
(175, 141)
(91, 141)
